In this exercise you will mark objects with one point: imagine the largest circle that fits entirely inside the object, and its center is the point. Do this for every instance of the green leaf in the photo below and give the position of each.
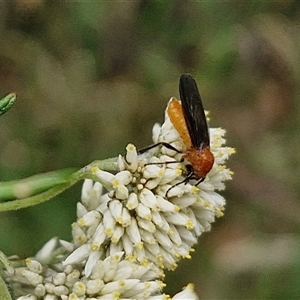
(7, 102)
(4, 293)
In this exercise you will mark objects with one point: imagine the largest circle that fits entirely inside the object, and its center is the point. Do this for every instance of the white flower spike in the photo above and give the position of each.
(150, 201)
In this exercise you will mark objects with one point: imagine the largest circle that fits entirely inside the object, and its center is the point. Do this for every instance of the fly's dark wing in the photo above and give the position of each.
(193, 111)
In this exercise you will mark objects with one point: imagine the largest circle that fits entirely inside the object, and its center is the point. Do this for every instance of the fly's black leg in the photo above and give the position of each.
(167, 146)
(141, 151)
(167, 162)
(190, 176)
(185, 180)
(199, 181)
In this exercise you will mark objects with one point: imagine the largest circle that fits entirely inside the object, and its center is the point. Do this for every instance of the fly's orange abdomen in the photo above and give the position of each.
(176, 116)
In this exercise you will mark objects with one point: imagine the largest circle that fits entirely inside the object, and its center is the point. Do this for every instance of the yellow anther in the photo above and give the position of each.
(189, 224)
(178, 172)
(139, 245)
(130, 147)
(195, 190)
(173, 267)
(116, 295)
(119, 220)
(121, 283)
(198, 200)
(95, 247)
(176, 208)
(108, 231)
(144, 262)
(231, 150)
(160, 173)
(81, 222)
(80, 239)
(116, 182)
(94, 170)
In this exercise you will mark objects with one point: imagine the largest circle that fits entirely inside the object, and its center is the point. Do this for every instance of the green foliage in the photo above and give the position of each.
(6, 103)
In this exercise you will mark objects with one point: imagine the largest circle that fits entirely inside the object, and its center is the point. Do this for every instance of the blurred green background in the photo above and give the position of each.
(92, 76)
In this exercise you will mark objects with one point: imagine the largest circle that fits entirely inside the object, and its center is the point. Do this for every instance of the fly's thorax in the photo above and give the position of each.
(201, 160)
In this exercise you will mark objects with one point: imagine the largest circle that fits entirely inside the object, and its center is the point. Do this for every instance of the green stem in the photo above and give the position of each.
(56, 182)
(109, 164)
(34, 184)
(40, 198)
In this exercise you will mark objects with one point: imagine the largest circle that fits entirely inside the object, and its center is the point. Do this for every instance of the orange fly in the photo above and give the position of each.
(188, 118)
